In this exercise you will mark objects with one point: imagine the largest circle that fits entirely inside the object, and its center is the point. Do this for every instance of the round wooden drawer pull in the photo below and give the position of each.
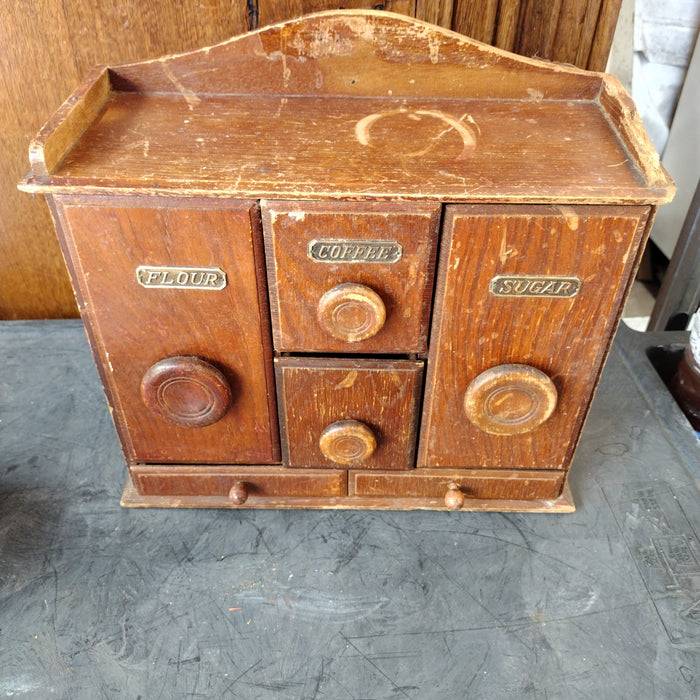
(347, 442)
(351, 312)
(187, 391)
(454, 498)
(238, 494)
(510, 399)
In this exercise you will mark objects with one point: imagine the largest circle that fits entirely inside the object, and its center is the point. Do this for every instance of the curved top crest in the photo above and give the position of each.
(357, 53)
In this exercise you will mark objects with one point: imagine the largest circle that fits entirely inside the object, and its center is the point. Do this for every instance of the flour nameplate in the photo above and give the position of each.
(210, 278)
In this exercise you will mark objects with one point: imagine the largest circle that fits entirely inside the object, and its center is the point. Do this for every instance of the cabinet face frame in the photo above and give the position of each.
(348, 112)
(134, 324)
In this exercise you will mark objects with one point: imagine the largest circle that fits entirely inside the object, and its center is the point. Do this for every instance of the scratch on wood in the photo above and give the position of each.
(348, 381)
(191, 99)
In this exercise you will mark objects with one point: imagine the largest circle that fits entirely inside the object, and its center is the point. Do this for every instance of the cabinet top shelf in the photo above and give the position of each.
(351, 105)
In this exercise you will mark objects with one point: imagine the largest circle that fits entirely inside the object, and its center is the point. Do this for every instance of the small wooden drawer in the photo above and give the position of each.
(345, 413)
(493, 484)
(237, 484)
(351, 278)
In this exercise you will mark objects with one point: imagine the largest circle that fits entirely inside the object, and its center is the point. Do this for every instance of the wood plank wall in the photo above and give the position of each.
(48, 47)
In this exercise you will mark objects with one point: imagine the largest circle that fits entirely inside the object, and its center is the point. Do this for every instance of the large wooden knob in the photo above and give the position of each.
(510, 399)
(347, 442)
(187, 391)
(351, 312)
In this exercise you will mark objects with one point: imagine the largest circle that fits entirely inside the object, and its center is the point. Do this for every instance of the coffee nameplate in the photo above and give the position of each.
(349, 251)
(535, 286)
(211, 278)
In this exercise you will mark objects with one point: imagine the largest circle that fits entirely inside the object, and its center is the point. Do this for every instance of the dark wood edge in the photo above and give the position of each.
(430, 380)
(642, 232)
(132, 499)
(65, 127)
(343, 363)
(623, 117)
(589, 195)
(261, 281)
(77, 275)
(271, 267)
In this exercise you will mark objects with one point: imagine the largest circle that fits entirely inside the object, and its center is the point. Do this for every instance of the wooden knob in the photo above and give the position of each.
(347, 442)
(351, 312)
(238, 493)
(510, 399)
(454, 498)
(187, 391)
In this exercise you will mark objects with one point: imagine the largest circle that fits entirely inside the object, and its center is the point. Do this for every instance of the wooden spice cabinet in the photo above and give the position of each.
(349, 261)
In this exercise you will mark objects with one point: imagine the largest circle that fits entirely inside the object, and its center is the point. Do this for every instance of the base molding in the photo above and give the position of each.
(131, 498)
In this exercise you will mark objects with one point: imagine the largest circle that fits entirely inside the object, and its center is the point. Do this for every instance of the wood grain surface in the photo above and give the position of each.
(158, 143)
(260, 482)
(315, 393)
(566, 338)
(297, 283)
(135, 326)
(48, 48)
(434, 483)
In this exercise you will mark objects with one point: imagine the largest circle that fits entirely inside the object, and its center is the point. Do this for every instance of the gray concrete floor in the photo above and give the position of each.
(97, 601)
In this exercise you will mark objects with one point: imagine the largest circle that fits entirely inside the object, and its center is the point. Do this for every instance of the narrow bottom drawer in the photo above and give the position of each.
(254, 482)
(493, 484)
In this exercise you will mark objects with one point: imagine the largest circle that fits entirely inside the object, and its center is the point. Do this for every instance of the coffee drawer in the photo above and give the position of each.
(348, 277)
(344, 413)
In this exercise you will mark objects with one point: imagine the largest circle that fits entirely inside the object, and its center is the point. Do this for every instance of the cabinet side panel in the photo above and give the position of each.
(538, 286)
(136, 325)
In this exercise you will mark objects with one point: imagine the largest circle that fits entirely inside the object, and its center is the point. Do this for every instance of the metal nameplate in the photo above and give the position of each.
(181, 277)
(535, 286)
(349, 251)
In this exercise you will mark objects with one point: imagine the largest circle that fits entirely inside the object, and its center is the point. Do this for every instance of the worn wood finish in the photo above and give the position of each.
(316, 393)
(299, 285)
(136, 326)
(510, 399)
(187, 391)
(567, 338)
(472, 483)
(257, 482)
(271, 11)
(349, 138)
(170, 147)
(347, 442)
(53, 42)
(463, 121)
(173, 478)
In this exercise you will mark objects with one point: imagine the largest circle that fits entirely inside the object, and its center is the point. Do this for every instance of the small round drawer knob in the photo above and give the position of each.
(351, 312)
(187, 391)
(510, 399)
(454, 498)
(347, 442)
(238, 494)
